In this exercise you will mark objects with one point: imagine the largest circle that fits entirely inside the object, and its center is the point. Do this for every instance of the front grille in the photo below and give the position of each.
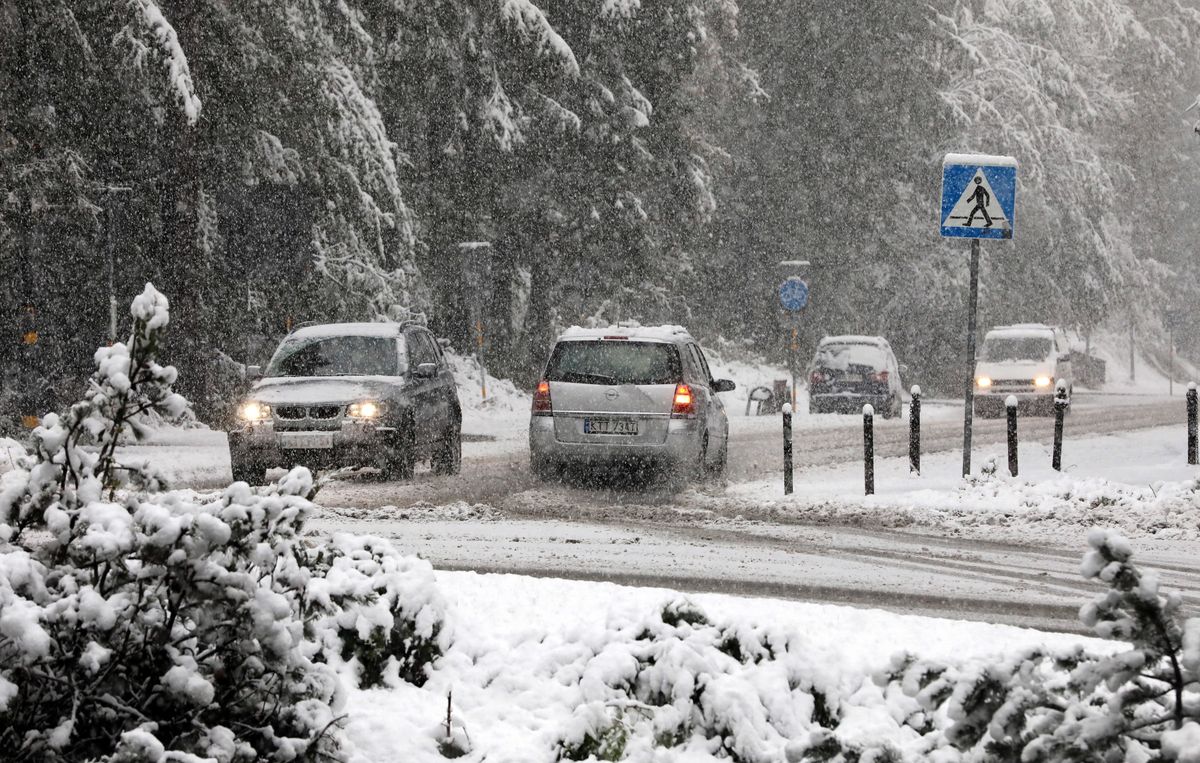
(324, 411)
(292, 412)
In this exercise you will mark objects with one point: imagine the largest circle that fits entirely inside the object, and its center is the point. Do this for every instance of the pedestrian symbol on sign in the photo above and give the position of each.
(977, 207)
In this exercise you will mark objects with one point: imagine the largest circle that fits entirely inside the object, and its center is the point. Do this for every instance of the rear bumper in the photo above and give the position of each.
(682, 446)
(353, 445)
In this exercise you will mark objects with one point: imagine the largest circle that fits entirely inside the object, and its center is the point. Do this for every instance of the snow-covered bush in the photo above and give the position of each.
(137, 625)
(1139, 704)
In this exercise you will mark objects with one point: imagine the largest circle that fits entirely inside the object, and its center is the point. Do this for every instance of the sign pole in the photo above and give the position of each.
(969, 405)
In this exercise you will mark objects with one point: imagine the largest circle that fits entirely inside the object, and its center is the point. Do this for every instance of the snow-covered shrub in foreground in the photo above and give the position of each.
(1140, 704)
(137, 626)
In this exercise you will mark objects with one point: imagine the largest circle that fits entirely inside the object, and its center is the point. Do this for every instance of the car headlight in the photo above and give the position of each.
(1043, 381)
(983, 381)
(254, 411)
(367, 409)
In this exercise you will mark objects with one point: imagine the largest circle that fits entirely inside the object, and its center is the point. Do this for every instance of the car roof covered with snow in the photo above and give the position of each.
(665, 333)
(1023, 329)
(874, 341)
(326, 330)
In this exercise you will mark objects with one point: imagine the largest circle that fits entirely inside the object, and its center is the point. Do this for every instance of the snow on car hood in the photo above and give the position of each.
(1015, 369)
(313, 391)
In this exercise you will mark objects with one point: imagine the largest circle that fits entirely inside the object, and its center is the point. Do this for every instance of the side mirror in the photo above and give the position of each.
(425, 371)
(252, 373)
(723, 385)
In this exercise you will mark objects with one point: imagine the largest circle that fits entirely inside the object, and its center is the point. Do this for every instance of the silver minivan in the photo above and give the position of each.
(629, 396)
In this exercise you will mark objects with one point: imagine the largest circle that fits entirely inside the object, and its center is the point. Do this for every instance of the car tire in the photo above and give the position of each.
(447, 453)
(250, 472)
(716, 470)
(399, 459)
(544, 469)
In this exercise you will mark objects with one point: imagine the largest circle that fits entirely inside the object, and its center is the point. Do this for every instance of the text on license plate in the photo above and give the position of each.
(306, 440)
(610, 426)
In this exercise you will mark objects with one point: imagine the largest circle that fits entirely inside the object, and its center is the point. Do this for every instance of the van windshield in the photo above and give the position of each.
(997, 349)
(336, 356)
(608, 362)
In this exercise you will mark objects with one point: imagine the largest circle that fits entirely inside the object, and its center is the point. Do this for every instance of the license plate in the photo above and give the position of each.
(610, 426)
(306, 440)
(852, 378)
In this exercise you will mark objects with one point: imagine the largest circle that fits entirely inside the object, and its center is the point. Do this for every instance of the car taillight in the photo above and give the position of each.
(684, 403)
(880, 376)
(816, 377)
(541, 400)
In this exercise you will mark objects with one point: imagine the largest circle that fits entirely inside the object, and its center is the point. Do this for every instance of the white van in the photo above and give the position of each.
(1027, 361)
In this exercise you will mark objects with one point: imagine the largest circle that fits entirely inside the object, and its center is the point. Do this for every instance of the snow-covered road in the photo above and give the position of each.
(1000, 550)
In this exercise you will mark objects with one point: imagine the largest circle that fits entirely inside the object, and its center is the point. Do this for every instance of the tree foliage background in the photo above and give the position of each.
(536, 163)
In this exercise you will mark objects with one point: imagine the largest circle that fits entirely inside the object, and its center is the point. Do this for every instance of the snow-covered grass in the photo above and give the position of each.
(1138, 482)
(538, 663)
(503, 414)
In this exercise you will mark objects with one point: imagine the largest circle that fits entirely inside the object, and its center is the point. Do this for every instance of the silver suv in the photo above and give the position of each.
(351, 394)
(628, 395)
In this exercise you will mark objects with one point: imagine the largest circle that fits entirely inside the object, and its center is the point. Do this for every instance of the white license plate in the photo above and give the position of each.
(305, 440)
(610, 426)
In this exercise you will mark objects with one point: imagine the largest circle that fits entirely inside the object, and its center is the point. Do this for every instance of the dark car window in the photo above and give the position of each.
(997, 349)
(708, 377)
(421, 349)
(614, 363)
(336, 356)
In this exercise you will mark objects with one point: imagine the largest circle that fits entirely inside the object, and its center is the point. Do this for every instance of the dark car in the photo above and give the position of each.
(848, 372)
(351, 394)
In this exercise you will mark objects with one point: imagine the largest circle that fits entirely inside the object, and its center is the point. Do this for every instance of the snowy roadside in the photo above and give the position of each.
(536, 665)
(1138, 482)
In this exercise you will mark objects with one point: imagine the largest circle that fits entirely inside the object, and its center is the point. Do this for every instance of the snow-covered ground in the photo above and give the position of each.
(537, 663)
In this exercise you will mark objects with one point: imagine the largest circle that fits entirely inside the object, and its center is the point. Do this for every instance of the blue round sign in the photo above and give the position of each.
(793, 294)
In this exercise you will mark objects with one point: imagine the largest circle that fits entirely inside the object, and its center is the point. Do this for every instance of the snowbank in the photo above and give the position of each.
(540, 666)
(1138, 483)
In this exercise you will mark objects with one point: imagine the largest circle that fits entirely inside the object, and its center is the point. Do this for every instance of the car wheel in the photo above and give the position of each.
(544, 469)
(250, 472)
(399, 458)
(447, 454)
(716, 470)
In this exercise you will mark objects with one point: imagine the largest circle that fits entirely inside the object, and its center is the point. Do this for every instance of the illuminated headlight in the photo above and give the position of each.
(367, 409)
(983, 381)
(1043, 381)
(254, 411)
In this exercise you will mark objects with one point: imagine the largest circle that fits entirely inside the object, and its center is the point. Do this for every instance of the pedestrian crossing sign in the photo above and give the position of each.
(978, 196)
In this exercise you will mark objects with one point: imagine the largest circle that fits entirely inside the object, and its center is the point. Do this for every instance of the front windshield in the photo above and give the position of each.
(336, 356)
(997, 349)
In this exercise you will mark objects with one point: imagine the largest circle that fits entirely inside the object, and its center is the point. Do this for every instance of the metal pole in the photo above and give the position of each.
(112, 270)
(1131, 364)
(1171, 373)
(1191, 426)
(1060, 412)
(969, 403)
(1011, 405)
(869, 449)
(795, 360)
(787, 449)
(914, 431)
(482, 367)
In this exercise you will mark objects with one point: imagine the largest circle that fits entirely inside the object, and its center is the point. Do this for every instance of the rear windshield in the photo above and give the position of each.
(336, 356)
(997, 349)
(842, 356)
(614, 363)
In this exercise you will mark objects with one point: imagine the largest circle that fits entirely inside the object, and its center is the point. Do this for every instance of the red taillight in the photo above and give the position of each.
(541, 400)
(816, 377)
(684, 403)
(880, 376)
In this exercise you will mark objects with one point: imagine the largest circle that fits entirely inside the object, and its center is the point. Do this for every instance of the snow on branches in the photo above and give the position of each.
(531, 23)
(179, 74)
(152, 626)
(1141, 703)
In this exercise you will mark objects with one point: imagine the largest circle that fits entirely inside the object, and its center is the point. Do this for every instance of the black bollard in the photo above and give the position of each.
(1060, 411)
(869, 449)
(1011, 405)
(1191, 414)
(787, 449)
(914, 431)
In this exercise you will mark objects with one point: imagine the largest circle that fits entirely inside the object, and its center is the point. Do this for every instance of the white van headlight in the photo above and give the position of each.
(1043, 381)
